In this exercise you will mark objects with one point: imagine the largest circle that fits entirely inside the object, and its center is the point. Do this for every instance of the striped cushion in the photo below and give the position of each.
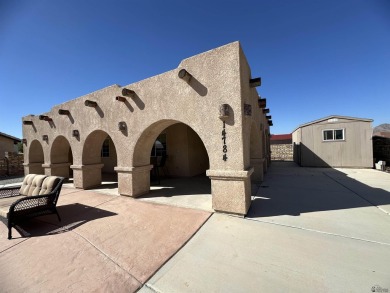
(36, 185)
(49, 184)
(26, 184)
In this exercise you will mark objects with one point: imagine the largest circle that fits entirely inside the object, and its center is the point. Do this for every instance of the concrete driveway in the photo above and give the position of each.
(308, 230)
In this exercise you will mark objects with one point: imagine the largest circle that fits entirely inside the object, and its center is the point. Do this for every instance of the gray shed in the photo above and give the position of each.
(334, 141)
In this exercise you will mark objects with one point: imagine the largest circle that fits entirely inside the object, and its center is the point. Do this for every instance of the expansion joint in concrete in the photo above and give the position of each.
(318, 231)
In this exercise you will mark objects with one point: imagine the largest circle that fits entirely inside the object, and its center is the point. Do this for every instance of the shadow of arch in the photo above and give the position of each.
(36, 158)
(61, 157)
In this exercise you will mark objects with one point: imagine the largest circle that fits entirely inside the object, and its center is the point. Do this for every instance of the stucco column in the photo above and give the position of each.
(133, 181)
(59, 169)
(33, 168)
(87, 176)
(231, 190)
(258, 169)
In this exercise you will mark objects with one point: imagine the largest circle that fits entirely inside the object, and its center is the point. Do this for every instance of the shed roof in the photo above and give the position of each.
(332, 117)
(15, 139)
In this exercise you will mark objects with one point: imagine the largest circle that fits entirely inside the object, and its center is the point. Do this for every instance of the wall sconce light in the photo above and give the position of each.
(128, 93)
(223, 111)
(265, 111)
(262, 103)
(254, 82)
(28, 122)
(270, 123)
(247, 110)
(122, 126)
(63, 112)
(268, 117)
(120, 99)
(45, 137)
(75, 133)
(184, 74)
(90, 103)
(24, 141)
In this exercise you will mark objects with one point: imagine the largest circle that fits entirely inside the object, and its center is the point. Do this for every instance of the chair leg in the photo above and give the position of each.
(9, 231)
(58, 215)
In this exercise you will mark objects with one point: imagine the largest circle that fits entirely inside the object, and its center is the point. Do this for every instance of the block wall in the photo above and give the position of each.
(11, 164)
(282, 152)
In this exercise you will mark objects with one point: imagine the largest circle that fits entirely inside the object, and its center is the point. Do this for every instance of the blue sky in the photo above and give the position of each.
(316, 58)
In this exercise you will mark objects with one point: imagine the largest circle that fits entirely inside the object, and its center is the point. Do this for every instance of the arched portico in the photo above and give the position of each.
(35, 158)
(89, 173)
(210, 97)
(61, 158)
(187, 156)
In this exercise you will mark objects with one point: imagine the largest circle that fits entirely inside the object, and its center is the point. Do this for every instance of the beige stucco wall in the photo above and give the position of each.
(354, 151)
(219, 76)
(187, 155)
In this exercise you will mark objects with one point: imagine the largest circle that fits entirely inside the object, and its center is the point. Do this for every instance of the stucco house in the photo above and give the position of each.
(334, 141)
(8, 143)
(205, 117)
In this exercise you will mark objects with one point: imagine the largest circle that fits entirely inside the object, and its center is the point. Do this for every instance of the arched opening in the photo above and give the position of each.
(36, 158)
(180, 160)
(61, 158)
(100, 158)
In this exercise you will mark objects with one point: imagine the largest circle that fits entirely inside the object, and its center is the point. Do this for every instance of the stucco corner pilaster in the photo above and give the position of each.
(230, 174)
(87, 176)
(133, 181)
(231, 190)
(138, 169)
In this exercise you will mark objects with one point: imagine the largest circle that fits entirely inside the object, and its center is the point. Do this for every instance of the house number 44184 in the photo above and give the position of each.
(224, 148)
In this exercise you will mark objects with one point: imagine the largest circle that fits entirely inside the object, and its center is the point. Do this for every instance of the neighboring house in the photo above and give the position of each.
(8, 143)
(381, 143)
(206, 114)
(281, 147)
(334, 141)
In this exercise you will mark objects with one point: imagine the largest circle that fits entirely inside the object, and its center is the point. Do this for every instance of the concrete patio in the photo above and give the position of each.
(308, 229)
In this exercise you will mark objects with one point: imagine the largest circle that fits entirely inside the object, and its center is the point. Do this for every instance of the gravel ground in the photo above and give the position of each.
(10, 180)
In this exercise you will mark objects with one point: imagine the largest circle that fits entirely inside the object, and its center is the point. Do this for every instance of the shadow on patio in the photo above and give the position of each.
(292, 190)
(72, 216)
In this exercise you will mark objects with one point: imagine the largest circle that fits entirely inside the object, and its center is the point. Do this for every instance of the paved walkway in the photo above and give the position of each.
(308, 230)
(105, 243)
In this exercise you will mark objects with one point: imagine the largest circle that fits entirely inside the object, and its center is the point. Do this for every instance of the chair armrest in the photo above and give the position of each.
(31, 202)
(9, 191)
